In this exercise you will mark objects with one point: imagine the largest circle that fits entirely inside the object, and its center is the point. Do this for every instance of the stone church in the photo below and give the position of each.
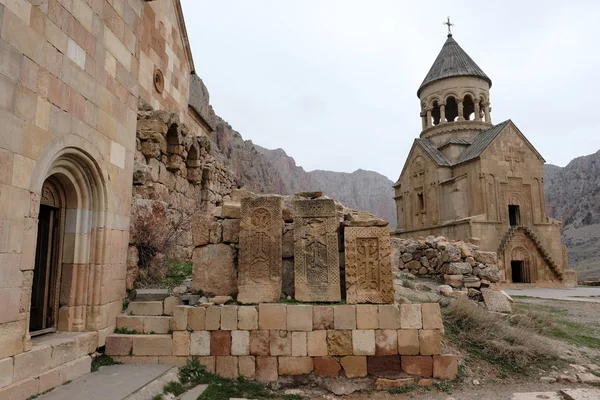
(466, 177)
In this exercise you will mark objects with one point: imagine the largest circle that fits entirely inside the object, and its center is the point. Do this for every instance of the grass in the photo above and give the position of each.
(158, 397)
(176, 272)
(174, 388)
(126, 331)
(402, 389)
(102, 361)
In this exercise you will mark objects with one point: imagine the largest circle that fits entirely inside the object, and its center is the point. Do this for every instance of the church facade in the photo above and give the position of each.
(466, 177)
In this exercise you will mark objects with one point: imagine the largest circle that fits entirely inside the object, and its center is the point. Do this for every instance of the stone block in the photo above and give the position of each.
(456, 281)
(326, 366)
(145, 308)
(383, 384)
(316, 343)
(132, 323)
(339, 343)
(179, 320)
(200, 343)
(322, 318)
(157, 324)
(432, 317)
(344, 317)
(418, 365)
(410, 316)
(247, 318)
(383, 365)
(197, 318)
(229, 318)
(6, 372)
(200, 229)
(266, 369)
(53, 378)
(152, 345)
(220, 343)
(213, 318)
(259, 343)
(389, 317)
(299, 344)
(295, 365)
(367, 317)
(281, 343)
(247, 366)
(363, 342)
(354, 366)
(231, 231)
(231, 210)
(169, 304)
(208, 362)
(151, 294)
(445, 366)
(214, 270)
(408, 342)
(227, 367)
(21, 390)
(272, 316)
(119, 345)
(181, 343)
(240, 343)
(430, 342)
(78, 368)
(386, 342)
(299, 318)
(176, 361)
(32, 363)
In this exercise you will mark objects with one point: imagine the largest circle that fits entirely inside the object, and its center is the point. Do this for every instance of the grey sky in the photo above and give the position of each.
(333, 82)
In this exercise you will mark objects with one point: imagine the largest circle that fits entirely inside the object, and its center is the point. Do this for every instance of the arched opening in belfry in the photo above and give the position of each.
(435, 113)
(451, 109)
(468, 108)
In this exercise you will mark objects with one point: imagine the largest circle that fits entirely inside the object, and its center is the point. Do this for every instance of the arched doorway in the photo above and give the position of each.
(520, 266)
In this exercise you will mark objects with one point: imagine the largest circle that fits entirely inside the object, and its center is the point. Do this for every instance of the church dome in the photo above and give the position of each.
(451, 62)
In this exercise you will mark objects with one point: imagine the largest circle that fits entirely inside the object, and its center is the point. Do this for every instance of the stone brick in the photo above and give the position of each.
(231, 231)
(299, 344)
(247, 366)
(152, 345)
(169, 304)
(132, 323)
(430, 342)
(145, 308)
(227, 367)
(354, 366)
(200, 343)
(367, 317)
(316, 343)
(445, 366)
(281, 343)
(323, 317)
(247, 318)
(179, 320)
(299, 318)
(53, 378)
(21, 390)
(213, 318)
(220, 343)
(383, 365)
(326, 366)
(339, 343)
(295, 365)
(31, 363)
(119, 345)
(410, 316)
(231, 210)
(176, 361)
(408, 342)
(272, 316)
(389, 317)
(78, 368)
(229, 318)
(181, 343)
(23, 37)
(6, 372)
(208, 362)
(197, 318)
(259, 343)
(266, 369)
(418, 365)
(383, 384)
(363, 342)
(344, 317)
(386, 342)
(214, 270)
(157, 324)
(432, 317)
(240, 343)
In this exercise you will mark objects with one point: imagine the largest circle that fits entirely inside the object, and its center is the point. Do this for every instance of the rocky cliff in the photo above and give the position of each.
(573, 196)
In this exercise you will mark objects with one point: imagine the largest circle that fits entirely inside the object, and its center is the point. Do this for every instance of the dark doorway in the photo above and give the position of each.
(518, 273)
(44, 300)
(514, 215)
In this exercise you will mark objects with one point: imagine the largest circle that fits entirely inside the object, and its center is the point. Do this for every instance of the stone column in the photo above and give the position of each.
(423, 119)
(477, 112)
(442, 113)
(486, 110)
(461, 117)
(428, 118)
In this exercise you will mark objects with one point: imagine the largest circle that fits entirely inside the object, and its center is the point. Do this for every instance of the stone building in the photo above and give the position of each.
(466, 177)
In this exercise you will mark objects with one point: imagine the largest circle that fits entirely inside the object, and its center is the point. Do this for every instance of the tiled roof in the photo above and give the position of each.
(433, 152)
(481, 142)
(452, 61)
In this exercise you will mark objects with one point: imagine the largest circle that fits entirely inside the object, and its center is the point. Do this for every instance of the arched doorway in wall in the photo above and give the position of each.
(520, 265)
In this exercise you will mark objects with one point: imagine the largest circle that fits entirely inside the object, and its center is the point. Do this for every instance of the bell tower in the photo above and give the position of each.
(454, 97)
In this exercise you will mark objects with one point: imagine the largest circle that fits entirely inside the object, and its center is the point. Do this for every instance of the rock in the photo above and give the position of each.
(424, 261)
(451, 253)
(430, 241)
(471, 282)
(486, 257)
(471, 262)
(455, 281)
(496, 301)
(507, 296)
(579, 368)
(294, 392)
(586, 377)
(475, 382)
(406, 257)
(465, 251)
(459, 295)
(485, 283)
(413, 265)
(567, 378)
(459, 268)
(231, 231)
(425, 382)
(593, 367)
(287, 278)
(490, 273)
(179, 290)
(214, 270)
(423, 271)
(382, 383)
(422, 287)
(231, 210)
(445, 289)
(343, 386)
(474, 240)
(548, 379)
(220, 299)
(581, 394)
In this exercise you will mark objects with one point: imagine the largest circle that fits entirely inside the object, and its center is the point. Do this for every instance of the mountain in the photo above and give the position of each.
(573, 196)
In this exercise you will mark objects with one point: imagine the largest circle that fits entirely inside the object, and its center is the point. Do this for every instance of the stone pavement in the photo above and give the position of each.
(564, 394)
(589, 294)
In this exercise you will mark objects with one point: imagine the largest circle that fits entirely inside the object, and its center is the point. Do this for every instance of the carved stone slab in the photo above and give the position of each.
(259, 270)
(316, 254)
(368, 265)
(496, 301)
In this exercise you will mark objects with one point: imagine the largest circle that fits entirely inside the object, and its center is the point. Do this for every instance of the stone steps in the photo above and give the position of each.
(144, 323)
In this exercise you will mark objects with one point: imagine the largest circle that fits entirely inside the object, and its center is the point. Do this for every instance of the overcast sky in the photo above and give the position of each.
(333, 82)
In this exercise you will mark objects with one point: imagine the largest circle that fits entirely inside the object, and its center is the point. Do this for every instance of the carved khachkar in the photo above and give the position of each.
(316, 255)
(368, 265)
(259, 273)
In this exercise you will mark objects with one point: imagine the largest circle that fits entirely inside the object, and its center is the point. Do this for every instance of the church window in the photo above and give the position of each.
(468, 108)
(420, 202)
(514, 215)
(435, 113)
(451, 109)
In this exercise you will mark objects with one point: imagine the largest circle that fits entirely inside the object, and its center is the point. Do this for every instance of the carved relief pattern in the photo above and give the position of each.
(368, 265)
(260, 249)
(316, 255)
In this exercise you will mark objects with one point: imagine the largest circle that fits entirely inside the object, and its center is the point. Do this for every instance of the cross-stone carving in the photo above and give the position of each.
(513, 157)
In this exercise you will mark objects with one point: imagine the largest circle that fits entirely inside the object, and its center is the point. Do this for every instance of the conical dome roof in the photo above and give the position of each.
(452, 61)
